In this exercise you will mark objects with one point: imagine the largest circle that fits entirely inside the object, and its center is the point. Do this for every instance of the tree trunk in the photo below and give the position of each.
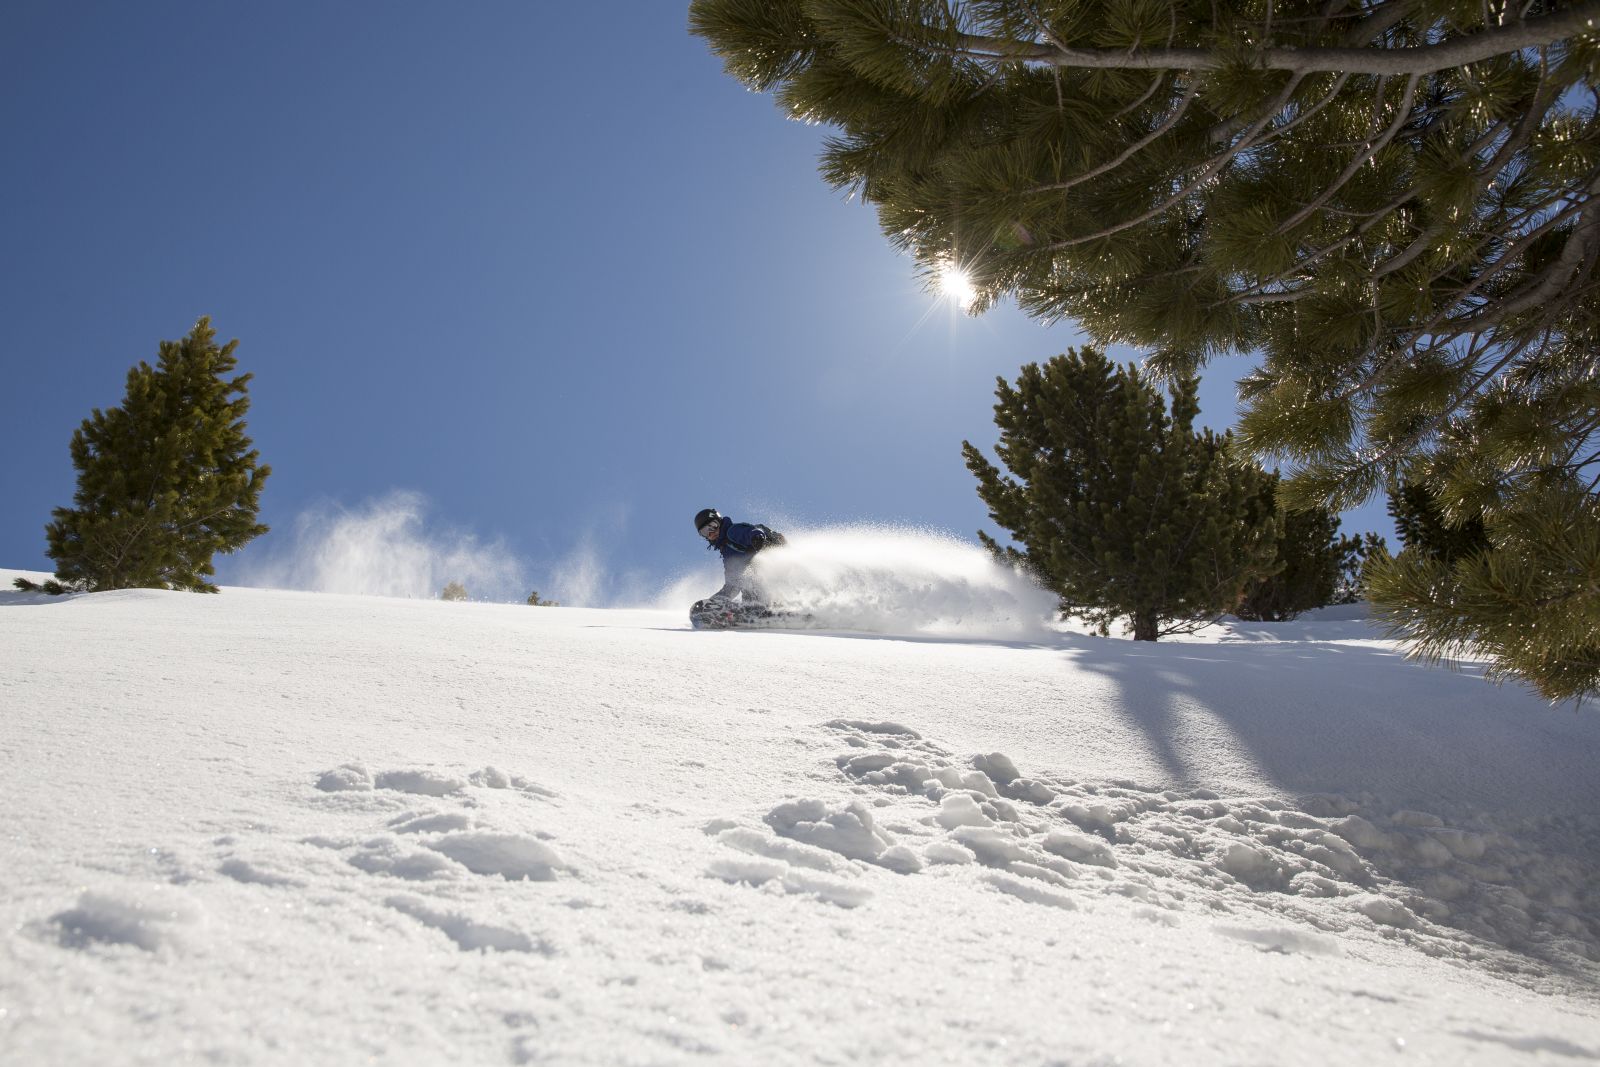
(1144, 626)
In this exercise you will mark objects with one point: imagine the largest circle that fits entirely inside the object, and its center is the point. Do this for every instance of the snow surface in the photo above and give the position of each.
(282, 827)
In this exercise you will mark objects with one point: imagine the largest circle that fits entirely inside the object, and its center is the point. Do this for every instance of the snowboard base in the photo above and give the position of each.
(720, 615)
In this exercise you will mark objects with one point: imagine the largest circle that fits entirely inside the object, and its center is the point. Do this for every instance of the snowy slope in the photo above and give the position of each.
(275, 827)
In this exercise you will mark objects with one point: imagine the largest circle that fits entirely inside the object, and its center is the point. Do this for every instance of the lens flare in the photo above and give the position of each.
(956, 284)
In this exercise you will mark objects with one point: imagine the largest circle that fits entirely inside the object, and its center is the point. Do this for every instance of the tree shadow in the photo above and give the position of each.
(1409, 747)
(1554, 1045)
(22, 598)
(1329, 717)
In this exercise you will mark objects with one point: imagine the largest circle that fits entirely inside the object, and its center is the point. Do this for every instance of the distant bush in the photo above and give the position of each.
(453, 591)
(535, 602)
(49, 585)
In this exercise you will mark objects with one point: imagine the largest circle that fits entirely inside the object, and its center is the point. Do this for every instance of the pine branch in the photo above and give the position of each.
(1525, 33)
(1403, 113)
(1301, 263)
(1436, 422)
(1553, 279)
(1309, 113)
(1128, 153)
(1209, 170)
(1491, 314)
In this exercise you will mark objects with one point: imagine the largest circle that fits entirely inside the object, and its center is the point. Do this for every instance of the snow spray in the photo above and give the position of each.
(899, 580)
(384, 547)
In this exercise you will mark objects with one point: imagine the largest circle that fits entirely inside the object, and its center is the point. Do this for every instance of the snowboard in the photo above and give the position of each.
(721, 615)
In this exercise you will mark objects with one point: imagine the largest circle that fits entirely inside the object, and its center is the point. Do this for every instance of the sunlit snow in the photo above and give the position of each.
(291, 827)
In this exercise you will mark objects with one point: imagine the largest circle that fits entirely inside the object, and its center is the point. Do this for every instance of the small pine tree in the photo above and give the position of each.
(534, 601)
(1421, 524)
(1308, 550)
(1319, 566)
(1354, 554)
(165, 480)
(1123, 511)
(453, 591)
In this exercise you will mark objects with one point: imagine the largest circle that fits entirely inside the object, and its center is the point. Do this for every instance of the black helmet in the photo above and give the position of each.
(704, 516)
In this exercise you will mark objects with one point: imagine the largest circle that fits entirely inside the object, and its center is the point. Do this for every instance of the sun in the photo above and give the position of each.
(956, 284)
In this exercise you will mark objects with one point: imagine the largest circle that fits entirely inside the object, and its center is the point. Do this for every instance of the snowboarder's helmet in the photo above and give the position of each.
(705, 517)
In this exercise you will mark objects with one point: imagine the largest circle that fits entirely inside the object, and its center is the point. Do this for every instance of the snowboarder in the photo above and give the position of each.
(739, 600)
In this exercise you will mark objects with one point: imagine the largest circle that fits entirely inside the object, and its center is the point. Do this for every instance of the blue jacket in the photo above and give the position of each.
(738, 543)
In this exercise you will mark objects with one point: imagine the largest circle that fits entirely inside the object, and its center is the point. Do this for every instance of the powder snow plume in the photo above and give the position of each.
(898, 580)
(385, 548)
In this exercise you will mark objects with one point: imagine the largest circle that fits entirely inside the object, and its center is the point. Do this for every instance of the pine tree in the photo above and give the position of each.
(1527, 599)
(1122, 511)
(1396, 204)
(1318, 565)
(1517, 582)
(1423, 528)
(453, 590)
(1354, 554)
(165, 480)
(1311, 555)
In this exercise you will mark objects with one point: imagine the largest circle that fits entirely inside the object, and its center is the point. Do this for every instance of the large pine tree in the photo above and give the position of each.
(1395, 203)
(165, 480)
(1122, 510)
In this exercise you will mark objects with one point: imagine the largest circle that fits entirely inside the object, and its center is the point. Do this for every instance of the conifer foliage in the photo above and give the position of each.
(1423, 528)
(1309, 556)
(1518, 584)
(165, 480)
(1122, 509)
(1317, 565)
(1396, 203)
(1356, 551)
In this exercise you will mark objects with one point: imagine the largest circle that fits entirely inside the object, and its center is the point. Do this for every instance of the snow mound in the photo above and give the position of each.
(513, 856)
(421, 781)
(468, 934)
(849, 830)
(1483, 888)
(150, 918)
(895, 580)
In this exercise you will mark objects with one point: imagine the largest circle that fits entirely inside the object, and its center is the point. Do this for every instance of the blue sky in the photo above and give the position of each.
(559, 275)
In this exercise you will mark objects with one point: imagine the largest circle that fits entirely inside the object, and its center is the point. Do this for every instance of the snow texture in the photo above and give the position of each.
(285, 827)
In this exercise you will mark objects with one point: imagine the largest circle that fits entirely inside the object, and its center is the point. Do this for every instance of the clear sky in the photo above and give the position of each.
(546, 266)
